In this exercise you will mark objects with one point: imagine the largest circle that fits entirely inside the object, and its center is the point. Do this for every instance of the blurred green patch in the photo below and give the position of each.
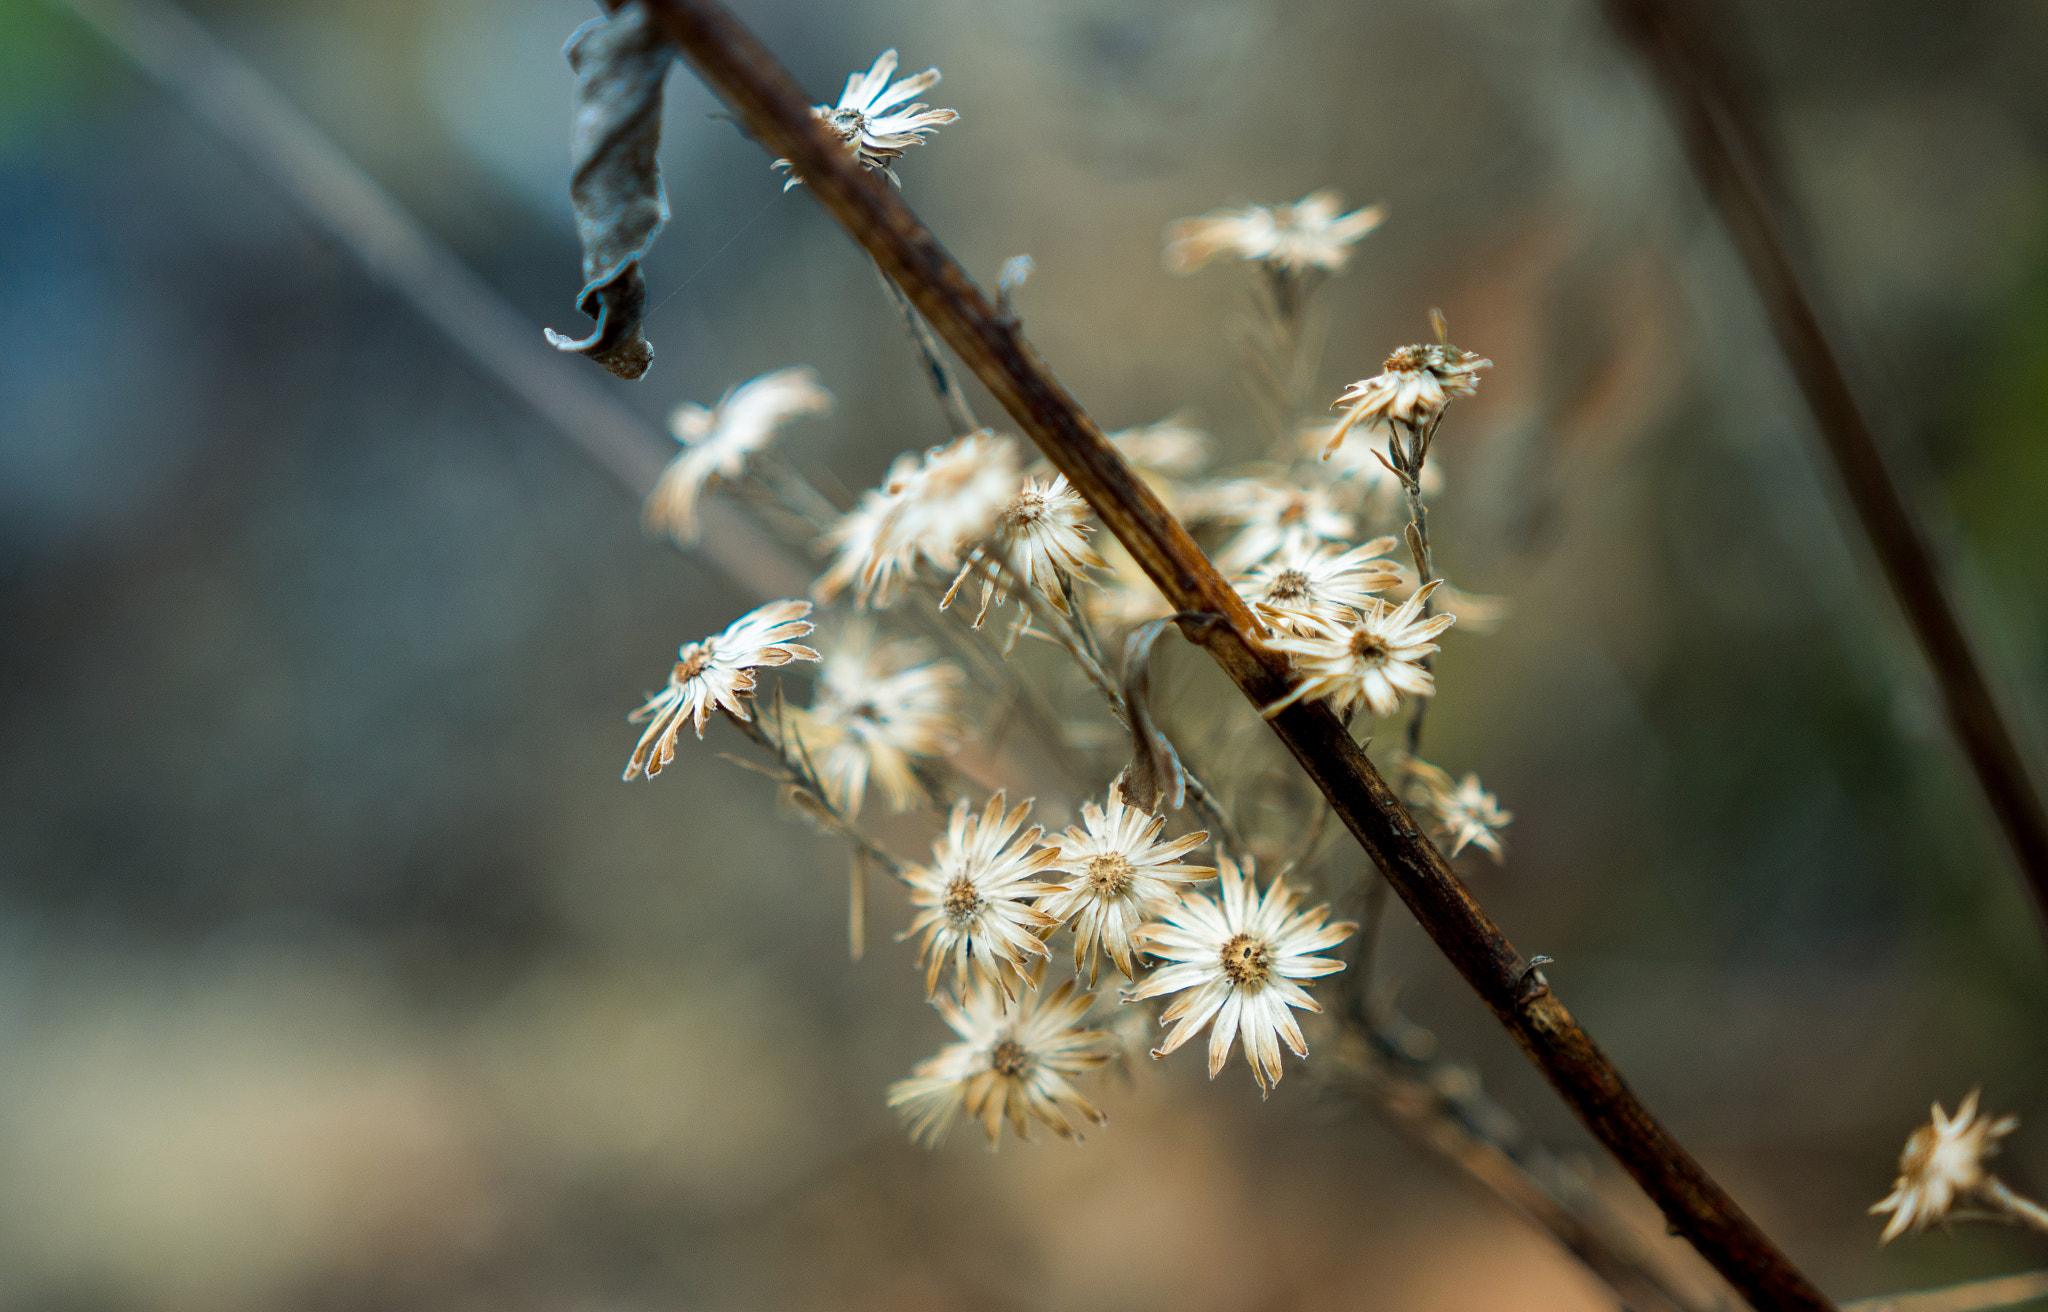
(50, 64)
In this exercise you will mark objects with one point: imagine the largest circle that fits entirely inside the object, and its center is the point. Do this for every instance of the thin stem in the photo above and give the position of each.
(938, 375)
(1705, 89)
(777, 114)
(799, 772)
(1970, 1296)
(2023, 1210)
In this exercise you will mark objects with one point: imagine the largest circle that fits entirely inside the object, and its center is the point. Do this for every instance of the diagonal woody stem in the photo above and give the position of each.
(773, 109)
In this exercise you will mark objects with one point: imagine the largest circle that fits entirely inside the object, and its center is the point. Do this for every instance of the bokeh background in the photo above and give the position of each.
(338, 970)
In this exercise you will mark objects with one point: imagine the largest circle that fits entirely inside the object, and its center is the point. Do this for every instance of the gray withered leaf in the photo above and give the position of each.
(1154, 774)
(620, 63)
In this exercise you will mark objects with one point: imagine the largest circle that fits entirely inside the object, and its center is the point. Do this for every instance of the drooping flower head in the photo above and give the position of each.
(1318, 581)
(880, 707)
(1017, 1061)
(873, 121)
(929, 510)
(717, 441)
(1412, 388)
(1291, 239)
(1238, 963)
(1375, 659)
(974, 899)
(1943, 1161)
(1118, 876)
(717, 673)
(1463, 810)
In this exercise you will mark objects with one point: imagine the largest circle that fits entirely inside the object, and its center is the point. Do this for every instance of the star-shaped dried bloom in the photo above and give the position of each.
(1042, 537)
(1292, 239)
(975, 897)
(1375, 659)
(717, 672)
(929, 510)
(716, 442)
(1464, 810)
(880, 707)
(1412, 388)
(1118, 876)
(1238, 963)
(872, 120)
(1274, 516)
(1016, 1061)
(1318, 581)
(1943, 1161)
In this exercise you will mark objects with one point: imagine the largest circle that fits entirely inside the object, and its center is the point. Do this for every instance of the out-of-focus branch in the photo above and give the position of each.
(775, 112)
(1973, 1296)
(233, 100)
(1685, 46)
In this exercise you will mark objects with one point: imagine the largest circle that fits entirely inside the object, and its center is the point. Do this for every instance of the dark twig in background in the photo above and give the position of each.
(776, 113)
(1687, 48)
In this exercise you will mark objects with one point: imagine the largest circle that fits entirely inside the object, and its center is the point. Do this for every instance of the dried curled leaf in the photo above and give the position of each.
(620, 63)
(1154, 774)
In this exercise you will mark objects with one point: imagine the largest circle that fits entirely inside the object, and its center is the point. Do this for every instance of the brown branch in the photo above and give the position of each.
(1739, 171)
(774, 110)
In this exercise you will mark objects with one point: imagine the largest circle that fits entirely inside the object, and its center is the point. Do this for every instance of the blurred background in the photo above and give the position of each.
(338, 970)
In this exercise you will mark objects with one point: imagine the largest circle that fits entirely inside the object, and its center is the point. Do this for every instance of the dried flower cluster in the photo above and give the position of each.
(1943, 1166)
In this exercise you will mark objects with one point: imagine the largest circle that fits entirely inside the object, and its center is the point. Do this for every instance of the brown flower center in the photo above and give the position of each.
(1407, 360)
(1288, 585)
(1368, 648)
(1247, 960)
(1009, 1058)
(963, 899)
(695, 657)
(1109, 875)
(1028, 508)
(847, 123)
(1295, 511)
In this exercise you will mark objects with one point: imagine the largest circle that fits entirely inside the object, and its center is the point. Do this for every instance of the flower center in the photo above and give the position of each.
(1109, 875)
(1247, 961)
(1407, 360)
(1288, 585)
(1028, 508)
(1008, 1058)
(847, 123)
(1367, 648)
(695, 657)
(1295, 512)
(963, 899)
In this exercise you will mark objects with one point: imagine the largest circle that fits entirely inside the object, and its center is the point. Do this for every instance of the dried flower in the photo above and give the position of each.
(1041, 536)
(1943, 1161)
(715, 672)
(1172, 447)
(873, 121)
(975, 897)
(1119, 875)
(1360, 475)
(1241, 960)
(880, 707)
(716, 442)
(929, 509)
(1412, 388)
(1374, 660)
(1318, 581)
(1016, 1062)
(1309, 234)
(1275, 517)
(1466, 812)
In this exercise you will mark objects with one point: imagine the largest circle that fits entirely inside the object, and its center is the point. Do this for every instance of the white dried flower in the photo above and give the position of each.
(1041, 536)
(1466, 812)
(1274, 517)
(1016, 1062)
(1309, 234)
(1412, 388)
(1318, 581)
(929, 510)
(975, 897)
(1359, 474)
(1374, 660)
(873, 121)
(717, 673)
(1119, 875)
(880, 707)
(1173, 447)
(716, 442)
(1943, 1161)
(1238, 963)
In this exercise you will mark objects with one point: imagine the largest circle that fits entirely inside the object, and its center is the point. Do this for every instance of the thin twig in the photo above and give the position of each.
(777, 114)
(1688, 52)
(938, 375)
(1971, 1296)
